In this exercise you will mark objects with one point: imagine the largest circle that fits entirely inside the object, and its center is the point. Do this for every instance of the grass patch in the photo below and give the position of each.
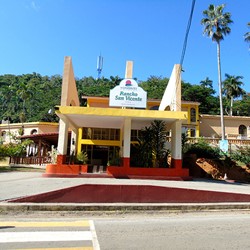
(19, 169)
(5, 169)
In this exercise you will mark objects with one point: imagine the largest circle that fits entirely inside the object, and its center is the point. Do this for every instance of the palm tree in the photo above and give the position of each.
(207, 83)
(24, 92)
(150, 149)
(247, 35)
(216, 27)
(158, 130)
(232, 89)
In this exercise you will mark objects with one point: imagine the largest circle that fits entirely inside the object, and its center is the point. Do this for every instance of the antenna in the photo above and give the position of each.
(99, 65)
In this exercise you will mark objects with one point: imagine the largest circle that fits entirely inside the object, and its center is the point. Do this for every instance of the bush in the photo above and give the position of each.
(242, 155)
(202, 149)
(82, 157)
(12, 150)
(3, 151)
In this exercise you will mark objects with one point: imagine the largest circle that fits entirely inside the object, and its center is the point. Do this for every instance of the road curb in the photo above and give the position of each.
(28, 207)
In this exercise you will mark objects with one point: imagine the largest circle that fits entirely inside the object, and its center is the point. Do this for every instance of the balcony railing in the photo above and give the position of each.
(216, 141)
(42, 160)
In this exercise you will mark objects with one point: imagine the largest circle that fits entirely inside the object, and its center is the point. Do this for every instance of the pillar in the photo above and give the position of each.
(73, 142)
(62, 142)
(127, 124)
(129, 69)
(176, 146)
(126, 142)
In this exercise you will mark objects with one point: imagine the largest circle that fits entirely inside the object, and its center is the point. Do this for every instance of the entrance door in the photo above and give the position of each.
(100, 155)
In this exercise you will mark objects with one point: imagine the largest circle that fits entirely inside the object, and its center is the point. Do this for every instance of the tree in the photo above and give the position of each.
(242, 107)
(204, 94)
(88, 86)
(207, 83)
(24, 93)
(216, 26)
(159, 133)
(232, 89)
(155, 86)
(22, 97)
(247, 35)
(150, 149)
(141, 152)
(8, 98)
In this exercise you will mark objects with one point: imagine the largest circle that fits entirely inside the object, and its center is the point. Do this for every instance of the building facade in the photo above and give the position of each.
(105, 127)
(236, 127)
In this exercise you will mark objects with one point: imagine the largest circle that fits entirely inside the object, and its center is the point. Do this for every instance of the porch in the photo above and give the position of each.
(100, 168)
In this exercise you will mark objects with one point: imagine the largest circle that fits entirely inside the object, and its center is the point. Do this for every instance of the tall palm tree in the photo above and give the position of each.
(247, 35)
(207, 83)
(216, 26)
(24, 92)
(232, 89)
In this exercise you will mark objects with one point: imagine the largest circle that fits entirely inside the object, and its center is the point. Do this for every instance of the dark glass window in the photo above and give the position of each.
(101, 134)
(242, 130)
(192, 115)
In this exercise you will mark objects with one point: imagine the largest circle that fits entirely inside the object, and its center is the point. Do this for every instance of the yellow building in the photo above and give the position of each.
(9, 131)
(43, 135)
(236, 127)
(107, 125)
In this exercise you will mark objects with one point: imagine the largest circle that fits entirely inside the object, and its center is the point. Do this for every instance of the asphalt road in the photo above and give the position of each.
(147, 231)
(205, 231)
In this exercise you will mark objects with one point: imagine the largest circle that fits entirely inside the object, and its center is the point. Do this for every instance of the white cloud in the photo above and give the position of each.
(34, 6)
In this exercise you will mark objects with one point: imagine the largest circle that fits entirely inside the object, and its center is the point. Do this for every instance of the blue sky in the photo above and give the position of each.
(37, 34)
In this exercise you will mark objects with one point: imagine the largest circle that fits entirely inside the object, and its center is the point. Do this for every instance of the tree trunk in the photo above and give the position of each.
(231, 106)
(220, 93)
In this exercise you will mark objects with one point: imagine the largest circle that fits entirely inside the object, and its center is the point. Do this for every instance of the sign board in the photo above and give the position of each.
(128, 94)
(224, 145)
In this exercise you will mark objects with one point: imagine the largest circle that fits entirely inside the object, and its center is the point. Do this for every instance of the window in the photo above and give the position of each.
(154, 108)
(33, 132)
(135, 134)
(96, 133)
(114, 134)
(86, 133)
(101, 134)
(192, 132)
(242, 130)
(192, 115)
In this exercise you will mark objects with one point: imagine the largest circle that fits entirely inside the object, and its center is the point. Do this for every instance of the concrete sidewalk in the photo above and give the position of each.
(20, 184)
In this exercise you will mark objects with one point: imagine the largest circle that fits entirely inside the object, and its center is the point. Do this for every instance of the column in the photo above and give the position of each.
(73, 143)
(129, 69)
(62, 142)
(126, 142)
(176, 146)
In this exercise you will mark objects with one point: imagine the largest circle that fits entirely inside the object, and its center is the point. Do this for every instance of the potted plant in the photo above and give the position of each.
(83, 157)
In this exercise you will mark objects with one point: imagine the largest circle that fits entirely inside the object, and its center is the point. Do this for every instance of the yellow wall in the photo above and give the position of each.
(210, 125)
(41, 127)
(103, 102)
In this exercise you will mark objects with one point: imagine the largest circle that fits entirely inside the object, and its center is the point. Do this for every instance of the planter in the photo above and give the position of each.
(63, 169)
(84, 168)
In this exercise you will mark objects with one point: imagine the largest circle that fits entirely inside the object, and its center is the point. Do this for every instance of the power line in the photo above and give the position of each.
(187, 32)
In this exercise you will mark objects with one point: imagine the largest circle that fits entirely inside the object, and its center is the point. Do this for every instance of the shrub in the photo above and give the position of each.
(82, 157)
(242, 155)
(17, 149)
(202, 149)
(3, 152)
(150, 149)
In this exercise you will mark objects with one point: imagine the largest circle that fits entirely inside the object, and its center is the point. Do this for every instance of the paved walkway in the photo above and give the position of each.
(20, 184)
